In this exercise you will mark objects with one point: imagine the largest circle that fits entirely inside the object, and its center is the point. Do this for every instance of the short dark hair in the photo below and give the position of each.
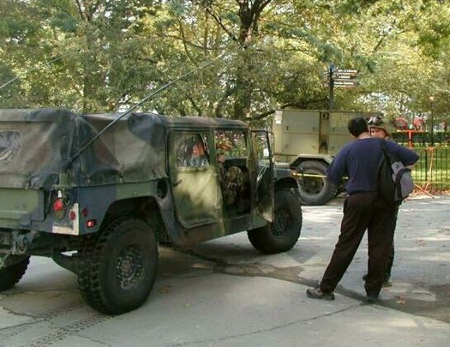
(357, 126)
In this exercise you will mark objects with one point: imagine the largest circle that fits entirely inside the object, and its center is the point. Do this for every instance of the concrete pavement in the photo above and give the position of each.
(226, 294)
(421, 272)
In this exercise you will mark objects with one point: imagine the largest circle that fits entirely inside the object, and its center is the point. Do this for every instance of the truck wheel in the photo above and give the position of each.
(315, 191)
(11, 274)
(283, 233)
(117, 269)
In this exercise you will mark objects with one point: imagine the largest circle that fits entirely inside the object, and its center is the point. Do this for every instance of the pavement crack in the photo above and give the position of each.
(289, 274)
(17, 314)
(271, 329)
(72, 329)
(21, 325)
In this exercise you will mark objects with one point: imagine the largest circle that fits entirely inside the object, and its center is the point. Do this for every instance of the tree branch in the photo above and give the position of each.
(80, 10)
(183, 40)
(296, 105)
(221, 24)
(263, 115)
(221, 103)
(190, 43)
(195, 106)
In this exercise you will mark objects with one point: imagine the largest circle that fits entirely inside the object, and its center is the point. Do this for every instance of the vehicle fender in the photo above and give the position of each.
(284, 178)
(326, 158)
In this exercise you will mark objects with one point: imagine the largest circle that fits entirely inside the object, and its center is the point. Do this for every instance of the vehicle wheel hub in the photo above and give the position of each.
(129, 266)
(281, 222)
(313, 185)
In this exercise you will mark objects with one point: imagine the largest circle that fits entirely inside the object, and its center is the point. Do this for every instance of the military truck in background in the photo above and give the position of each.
(97, 197)
(307, 140)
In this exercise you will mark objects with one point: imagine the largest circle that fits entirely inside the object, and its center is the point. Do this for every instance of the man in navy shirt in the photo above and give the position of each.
(363, 210)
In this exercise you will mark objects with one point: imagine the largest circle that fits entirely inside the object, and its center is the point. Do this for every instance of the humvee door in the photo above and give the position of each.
(194, 181)
(265, 178)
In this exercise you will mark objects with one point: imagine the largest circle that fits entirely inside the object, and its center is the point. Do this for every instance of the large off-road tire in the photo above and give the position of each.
(118, 268)
(315, 191)
(283, 233)
(13, 272)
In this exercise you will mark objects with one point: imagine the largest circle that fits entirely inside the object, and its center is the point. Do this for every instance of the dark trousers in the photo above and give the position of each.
(362, 211)
(387, 274)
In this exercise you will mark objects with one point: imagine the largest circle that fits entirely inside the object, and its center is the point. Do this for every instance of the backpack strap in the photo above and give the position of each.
(383, 145)
(384, 153)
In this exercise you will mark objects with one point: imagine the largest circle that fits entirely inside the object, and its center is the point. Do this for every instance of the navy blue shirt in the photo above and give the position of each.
(359, 161)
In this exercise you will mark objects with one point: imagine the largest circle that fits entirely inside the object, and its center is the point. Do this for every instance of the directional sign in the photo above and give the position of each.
(343, 83)
(347, 84)
(347, 71)
(339, 84)
(343, 77)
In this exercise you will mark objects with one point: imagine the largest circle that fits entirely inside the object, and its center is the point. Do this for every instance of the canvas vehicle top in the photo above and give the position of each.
(37, 144)
(108, 193)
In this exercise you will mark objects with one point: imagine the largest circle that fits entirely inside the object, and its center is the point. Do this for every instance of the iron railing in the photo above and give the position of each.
(432, 171)
(415, 138)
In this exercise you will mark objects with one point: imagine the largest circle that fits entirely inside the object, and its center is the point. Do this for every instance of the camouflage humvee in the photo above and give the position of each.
(99, 206)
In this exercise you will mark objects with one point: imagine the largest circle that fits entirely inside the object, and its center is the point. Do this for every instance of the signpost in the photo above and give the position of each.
(331, 85)
(345, 78)
(340, 78)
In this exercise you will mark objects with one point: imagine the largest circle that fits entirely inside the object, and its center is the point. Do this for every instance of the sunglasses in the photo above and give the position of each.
(376, 121)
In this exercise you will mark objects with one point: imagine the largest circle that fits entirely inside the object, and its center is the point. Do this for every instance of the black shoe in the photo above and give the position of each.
(316, 293)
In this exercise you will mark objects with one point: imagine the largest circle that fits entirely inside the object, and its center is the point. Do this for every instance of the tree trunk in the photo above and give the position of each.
(249, 14)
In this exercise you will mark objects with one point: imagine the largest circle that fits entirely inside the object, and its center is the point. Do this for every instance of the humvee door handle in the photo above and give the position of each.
(177, 183)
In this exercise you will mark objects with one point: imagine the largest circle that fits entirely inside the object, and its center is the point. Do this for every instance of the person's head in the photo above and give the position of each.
(357, 126)
(221, 157)
(378, 127)
(223, 149)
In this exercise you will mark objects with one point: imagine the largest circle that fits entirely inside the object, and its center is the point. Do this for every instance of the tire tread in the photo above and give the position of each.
(92, 253)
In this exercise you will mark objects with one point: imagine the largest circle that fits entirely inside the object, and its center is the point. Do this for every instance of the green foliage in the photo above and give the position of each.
(101, 56)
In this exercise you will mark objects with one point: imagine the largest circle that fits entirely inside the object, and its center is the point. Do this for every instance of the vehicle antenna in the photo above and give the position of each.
(165, 86)
(31, 70)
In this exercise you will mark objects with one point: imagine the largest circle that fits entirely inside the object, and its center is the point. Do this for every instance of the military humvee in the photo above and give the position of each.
(98, 198)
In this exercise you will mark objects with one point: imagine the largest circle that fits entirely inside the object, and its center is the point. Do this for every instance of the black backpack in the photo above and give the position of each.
(395, 182)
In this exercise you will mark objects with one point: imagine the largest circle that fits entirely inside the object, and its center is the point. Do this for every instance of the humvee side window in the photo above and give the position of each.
(191, 150)
(262, 146)
(231, 143)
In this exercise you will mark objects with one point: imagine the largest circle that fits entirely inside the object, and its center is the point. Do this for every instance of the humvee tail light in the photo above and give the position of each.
(72, 215)
(91, 223)
(58, 205)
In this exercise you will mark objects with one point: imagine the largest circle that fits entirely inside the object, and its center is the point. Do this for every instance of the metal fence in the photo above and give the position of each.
(432, 171)
(414, 138)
